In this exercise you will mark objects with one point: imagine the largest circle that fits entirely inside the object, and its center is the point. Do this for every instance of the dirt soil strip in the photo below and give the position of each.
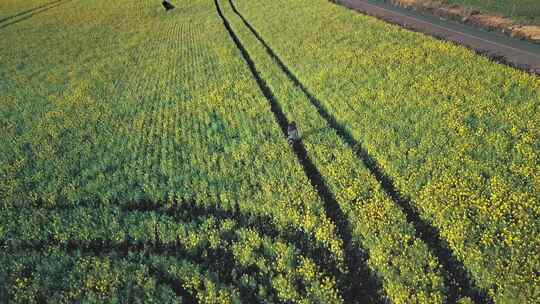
(519, 54)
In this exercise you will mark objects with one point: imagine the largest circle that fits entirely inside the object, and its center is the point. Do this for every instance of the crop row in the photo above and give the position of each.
(11, 10)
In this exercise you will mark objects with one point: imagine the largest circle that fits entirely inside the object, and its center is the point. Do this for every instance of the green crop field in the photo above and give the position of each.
(521, 10)
(144, 158)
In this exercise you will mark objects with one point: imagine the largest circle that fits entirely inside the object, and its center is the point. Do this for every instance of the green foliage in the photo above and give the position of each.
(408, 271)
(139, 161)
(138, 124)
(521, 10)
(461, 143)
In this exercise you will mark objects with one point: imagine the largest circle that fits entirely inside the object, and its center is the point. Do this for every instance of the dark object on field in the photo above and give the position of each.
(293, 134)
(167, 5)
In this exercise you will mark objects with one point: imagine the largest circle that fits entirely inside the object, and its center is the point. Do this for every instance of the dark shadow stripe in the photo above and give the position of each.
(360, 284)
(497, 47)
(214, 262)
(175, 284)
(186, 211)
(28, 16)
(29, 11)
(14, 22)
(457, 277)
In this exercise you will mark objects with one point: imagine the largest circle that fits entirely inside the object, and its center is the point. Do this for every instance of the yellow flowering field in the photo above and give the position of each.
(457, 136)
(144, 158)
(139, 161)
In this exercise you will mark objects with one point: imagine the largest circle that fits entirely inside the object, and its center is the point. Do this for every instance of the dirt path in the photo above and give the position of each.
(516, 53)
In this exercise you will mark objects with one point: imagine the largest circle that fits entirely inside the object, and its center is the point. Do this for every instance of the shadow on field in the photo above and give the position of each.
(219, 261)
(188, 210)
(456, 274)
(31, 13)
(360, 285)
(100, 248)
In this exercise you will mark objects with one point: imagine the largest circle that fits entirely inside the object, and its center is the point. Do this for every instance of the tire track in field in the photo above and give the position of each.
(457, 276)
(31, 13)
(357, 291)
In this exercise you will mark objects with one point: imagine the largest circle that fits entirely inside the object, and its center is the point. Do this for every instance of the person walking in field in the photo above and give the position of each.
(292, 133)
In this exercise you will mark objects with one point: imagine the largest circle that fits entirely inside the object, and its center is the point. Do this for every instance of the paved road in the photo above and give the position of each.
(517, 53)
